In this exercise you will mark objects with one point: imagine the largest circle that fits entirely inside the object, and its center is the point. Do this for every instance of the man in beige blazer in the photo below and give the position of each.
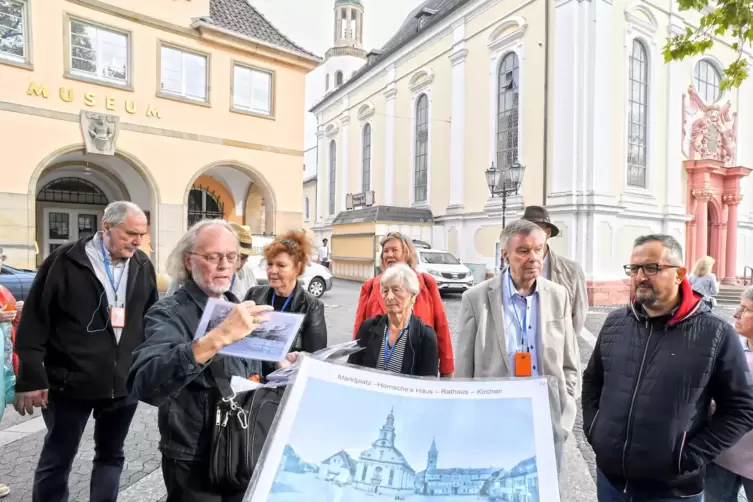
(494, 313)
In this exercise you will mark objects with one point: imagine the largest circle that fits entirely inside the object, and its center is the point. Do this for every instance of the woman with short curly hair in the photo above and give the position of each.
(286, 259)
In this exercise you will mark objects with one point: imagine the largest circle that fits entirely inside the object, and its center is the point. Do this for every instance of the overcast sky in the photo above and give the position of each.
(309, 23)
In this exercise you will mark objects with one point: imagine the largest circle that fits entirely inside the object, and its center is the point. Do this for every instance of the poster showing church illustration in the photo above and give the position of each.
(353, 435)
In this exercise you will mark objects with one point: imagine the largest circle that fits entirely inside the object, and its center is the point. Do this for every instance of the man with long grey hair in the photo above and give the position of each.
(82, 320)
(657, 365)
(171, 370)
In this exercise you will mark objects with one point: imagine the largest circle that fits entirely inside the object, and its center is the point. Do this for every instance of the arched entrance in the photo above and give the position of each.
(72, 188)
(713, 199)
(234, 192)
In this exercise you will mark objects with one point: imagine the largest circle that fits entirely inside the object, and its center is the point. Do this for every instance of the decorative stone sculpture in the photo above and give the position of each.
(709, 132)
(100, 132)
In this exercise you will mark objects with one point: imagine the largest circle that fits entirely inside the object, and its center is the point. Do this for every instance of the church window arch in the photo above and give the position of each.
(72, 191)
(203, 205)
(338, 78)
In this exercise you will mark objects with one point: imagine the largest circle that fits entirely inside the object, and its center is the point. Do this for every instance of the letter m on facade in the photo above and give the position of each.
(37, 90)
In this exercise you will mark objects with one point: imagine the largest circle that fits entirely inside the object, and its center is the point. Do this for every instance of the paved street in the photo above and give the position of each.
(21, 437)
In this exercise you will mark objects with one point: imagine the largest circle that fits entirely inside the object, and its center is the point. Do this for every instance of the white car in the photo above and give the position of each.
(446, 269)
(316, 279)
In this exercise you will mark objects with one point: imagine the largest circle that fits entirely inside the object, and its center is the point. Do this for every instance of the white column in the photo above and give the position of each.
(582, 102)
(343, 165)
(457, 124)
(389, 141)
(677, 81)
(321, 179)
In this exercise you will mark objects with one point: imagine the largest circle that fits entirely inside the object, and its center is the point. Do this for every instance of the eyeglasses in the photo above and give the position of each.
(216, 258)
(742, 310)
(648, 269)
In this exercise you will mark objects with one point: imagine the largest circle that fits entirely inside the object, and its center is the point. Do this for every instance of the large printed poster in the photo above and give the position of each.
(353, 435)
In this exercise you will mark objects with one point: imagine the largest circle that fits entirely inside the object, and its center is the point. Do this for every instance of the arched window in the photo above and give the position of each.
(420, 168)
(637, 159)
(507, 111)
(326, 82)
(366, 159)
(332, 175)
(203, 205)
(706, 80)
(306, 214)
(338, 78)
(72, 191)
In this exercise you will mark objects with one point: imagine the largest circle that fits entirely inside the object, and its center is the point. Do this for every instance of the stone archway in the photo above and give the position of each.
(250, 195)
(70, 188)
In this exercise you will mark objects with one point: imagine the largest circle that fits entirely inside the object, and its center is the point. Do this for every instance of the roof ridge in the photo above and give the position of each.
(271, 25)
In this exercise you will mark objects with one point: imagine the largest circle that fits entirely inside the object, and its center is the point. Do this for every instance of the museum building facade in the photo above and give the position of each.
(190, 109)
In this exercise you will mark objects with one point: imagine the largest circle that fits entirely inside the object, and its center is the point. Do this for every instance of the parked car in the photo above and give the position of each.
(446, 269)
(18, 281)
(316, 279)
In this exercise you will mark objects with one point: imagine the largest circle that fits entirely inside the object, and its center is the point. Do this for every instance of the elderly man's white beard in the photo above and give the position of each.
(199, 280)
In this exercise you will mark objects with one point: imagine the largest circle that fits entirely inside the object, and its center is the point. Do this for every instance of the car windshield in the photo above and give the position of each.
(440, 258)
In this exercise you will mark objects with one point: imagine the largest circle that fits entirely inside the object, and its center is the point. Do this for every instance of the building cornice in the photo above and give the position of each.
(434, 32)
(345, 51)
(309, 62)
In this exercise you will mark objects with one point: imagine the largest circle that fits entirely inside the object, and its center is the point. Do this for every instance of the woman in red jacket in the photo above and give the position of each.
(397, 248)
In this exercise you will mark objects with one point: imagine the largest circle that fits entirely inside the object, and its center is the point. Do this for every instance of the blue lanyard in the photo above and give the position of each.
(387, 349)
(110, 275)
(284, 305)
(232, 282)
(523, 325)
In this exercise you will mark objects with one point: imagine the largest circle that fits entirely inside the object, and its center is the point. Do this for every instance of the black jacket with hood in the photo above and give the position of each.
(647, 393)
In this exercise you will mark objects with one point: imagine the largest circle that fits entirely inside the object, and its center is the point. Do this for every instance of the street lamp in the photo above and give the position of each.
(504, 182)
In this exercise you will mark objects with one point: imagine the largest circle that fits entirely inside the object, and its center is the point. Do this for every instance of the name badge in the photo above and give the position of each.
(117, 317)
(522, 364)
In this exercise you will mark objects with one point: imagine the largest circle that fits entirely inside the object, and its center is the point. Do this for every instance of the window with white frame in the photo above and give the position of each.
(98, 52)
(332, 175)
(707, 80)
(366, 159)
(508, 97)
(638, 87)
(306, 213)
(252, 90)
(421, 153)
(183, 74)
(13, 31)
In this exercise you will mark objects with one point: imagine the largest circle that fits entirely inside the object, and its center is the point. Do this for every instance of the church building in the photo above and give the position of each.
(571, 101)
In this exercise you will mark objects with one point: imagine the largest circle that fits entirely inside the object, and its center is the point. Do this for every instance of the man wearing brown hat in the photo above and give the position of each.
(244, 279)
(559, 269)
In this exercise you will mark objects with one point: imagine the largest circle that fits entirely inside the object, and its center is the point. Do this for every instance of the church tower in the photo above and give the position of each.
(347, 54)
(433, 456)
(387, 433)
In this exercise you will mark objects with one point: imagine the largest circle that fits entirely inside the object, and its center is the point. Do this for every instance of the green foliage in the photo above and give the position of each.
(728, 19)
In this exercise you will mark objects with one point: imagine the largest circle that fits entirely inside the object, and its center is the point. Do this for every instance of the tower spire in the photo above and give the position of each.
(433, 455)
(348, 34)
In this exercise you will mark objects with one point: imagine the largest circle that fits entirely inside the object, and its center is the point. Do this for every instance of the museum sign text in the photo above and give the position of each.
(67, 94)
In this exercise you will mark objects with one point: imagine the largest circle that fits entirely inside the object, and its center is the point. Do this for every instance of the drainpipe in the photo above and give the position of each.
(546, 101)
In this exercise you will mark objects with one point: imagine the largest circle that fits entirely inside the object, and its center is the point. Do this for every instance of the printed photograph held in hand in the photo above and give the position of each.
(269, 342)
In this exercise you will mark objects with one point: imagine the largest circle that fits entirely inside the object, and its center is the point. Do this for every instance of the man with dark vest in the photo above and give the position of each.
(559, 269)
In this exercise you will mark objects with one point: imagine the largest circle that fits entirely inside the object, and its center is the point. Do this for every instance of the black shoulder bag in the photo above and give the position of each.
(240, 426)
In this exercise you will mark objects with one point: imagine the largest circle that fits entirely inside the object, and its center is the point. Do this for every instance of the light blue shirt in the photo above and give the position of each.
(744, 342)
(519, 311)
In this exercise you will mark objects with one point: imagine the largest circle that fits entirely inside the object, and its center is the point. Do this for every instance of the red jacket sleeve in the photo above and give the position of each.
(363, 305)
(441, 326)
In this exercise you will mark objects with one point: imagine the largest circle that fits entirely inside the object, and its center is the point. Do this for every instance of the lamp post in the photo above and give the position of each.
(504, 182)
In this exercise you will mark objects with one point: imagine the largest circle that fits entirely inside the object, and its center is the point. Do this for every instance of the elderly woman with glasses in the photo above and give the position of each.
(398, 342)
(733, 469)
(398, 249)
(286, 259)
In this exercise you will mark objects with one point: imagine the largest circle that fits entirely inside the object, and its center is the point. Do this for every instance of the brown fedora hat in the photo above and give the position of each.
(540, 215)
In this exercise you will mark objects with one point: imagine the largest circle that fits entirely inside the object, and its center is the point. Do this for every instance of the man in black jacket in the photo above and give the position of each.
(82, 320)
(648, 387)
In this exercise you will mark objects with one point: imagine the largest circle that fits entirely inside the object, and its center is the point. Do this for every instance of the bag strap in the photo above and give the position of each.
(221, 380)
